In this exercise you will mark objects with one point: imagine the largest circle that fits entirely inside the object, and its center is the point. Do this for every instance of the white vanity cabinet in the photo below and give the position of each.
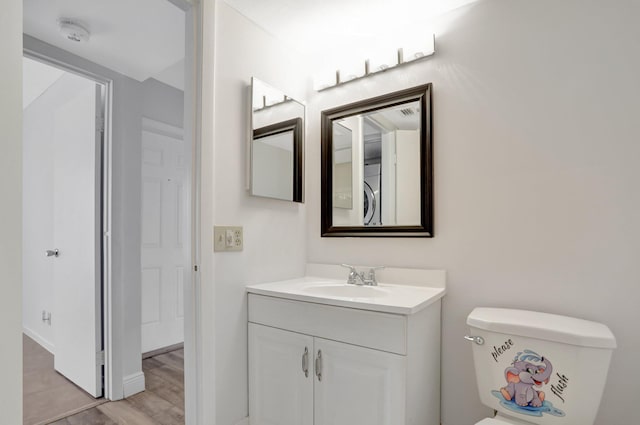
(358, 385)
(318, 364)
(281, 392)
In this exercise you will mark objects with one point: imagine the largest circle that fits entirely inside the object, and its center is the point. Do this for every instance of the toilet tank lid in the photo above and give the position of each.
(545, 326)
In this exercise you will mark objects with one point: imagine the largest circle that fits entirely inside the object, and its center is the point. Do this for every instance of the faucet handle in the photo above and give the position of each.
(353, 274)
(353, 269)
(372, 273)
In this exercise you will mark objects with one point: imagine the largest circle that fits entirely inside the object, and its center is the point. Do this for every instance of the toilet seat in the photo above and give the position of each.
(499, 420)
(492, 421)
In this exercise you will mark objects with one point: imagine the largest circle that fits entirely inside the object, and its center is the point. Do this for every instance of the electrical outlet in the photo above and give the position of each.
(227, 238)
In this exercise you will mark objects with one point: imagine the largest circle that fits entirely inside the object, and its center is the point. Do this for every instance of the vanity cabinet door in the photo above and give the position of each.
(358, 385)
(279, 391)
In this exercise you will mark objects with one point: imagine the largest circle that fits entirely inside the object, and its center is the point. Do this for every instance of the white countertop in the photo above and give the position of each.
(389, 298)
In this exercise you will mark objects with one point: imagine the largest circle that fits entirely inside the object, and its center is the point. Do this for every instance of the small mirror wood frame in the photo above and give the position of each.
(295, 126)
(424, 229)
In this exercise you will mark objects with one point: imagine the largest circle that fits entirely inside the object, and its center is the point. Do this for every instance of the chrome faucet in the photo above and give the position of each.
(356, 278)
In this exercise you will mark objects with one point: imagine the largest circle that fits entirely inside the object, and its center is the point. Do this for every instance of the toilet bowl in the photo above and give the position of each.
(539, 368)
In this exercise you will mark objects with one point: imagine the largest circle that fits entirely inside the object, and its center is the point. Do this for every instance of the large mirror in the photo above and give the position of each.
(377, 171)
(276, 144)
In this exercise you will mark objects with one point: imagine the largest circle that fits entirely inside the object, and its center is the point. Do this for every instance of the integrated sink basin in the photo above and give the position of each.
(346, 291)
(390, 298)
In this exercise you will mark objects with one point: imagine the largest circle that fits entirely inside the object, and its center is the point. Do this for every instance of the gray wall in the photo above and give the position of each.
(162, 102)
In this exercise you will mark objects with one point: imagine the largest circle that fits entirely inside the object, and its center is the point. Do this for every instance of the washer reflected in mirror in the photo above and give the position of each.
(377, 166)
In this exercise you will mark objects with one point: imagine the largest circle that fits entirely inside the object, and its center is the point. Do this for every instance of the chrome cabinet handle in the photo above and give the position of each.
(319, 365)
(52, 253)
(305, 362)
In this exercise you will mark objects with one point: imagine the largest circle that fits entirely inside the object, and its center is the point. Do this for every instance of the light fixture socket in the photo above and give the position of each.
(418, 49)
(351, 70)
(73, 30)
(382, 60)
(325, 78)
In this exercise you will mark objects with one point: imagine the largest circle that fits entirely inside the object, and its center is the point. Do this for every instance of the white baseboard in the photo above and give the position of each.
(39, 339)
(245, 421)
(133, 384)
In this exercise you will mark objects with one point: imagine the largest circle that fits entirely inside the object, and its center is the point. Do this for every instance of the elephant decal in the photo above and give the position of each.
(526, 375)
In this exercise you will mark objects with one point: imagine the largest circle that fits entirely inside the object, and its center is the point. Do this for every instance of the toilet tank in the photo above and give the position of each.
(540, 368)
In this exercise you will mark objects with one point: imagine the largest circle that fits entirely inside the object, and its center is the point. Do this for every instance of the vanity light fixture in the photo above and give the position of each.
(383, 61)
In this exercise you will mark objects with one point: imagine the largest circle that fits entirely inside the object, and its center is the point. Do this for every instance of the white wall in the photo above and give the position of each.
(536, 178)
(274, 231)
(11, 211)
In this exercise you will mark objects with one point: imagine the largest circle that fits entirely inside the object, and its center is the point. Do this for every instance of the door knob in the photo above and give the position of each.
(52, 252)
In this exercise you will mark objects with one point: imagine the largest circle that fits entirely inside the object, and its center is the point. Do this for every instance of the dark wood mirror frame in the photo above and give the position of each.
(421, 94)
(295, 126)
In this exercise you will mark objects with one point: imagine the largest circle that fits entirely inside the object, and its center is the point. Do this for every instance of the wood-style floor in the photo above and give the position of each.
(161, 404)
(45, 393)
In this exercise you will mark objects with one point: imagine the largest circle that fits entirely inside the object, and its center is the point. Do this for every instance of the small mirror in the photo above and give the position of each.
(377, 166)
(276, 144)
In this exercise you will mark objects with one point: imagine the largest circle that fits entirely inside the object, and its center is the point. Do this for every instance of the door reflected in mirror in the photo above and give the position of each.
(342, 167)
(377, 166)
(276, 144)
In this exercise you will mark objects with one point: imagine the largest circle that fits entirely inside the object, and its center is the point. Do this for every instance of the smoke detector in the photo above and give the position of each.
(73, 30)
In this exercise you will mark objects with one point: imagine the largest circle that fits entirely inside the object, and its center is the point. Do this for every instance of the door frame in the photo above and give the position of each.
(105, 207)
(194, 350)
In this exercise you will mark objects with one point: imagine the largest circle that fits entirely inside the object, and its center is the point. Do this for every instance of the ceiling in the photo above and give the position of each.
(145, 38)
(141, 38)
(335, 28)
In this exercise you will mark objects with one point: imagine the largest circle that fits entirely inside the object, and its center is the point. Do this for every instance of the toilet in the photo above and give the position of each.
(539, 368)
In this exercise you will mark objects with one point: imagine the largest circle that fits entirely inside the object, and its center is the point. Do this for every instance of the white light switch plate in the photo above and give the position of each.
(227, 238)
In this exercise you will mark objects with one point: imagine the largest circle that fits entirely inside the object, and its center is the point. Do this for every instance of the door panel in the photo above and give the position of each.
(77, 319)
(358, 385)
(279, 391)
(165, 247)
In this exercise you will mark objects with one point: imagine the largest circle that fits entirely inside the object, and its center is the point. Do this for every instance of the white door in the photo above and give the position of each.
(358, 385)
(280, 377)
(77, 318)
(165, 234)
